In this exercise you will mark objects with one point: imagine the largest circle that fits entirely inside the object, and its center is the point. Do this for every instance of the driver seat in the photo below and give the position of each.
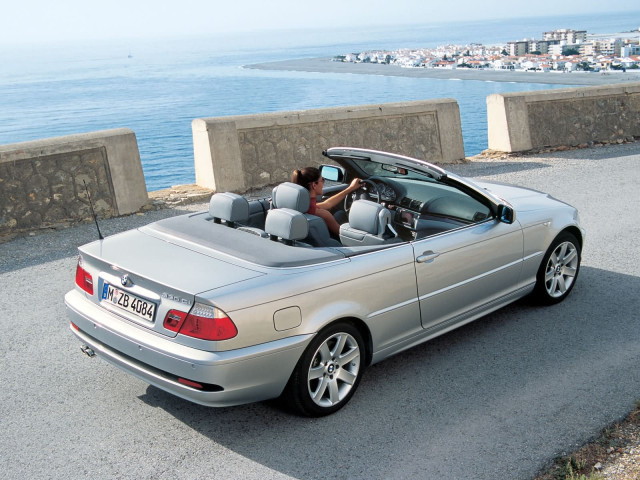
(295, 197)
(369, 224)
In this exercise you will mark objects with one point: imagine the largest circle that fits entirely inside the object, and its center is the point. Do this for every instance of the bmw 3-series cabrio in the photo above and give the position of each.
(253, 300)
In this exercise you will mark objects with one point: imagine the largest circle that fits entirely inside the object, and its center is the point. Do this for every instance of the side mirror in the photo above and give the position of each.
(506, 214)
(332, 173)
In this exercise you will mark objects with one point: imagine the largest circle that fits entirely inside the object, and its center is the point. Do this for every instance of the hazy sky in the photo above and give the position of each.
(37, 21)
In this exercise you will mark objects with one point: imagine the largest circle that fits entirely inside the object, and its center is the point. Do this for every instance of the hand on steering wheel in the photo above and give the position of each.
(349, 199)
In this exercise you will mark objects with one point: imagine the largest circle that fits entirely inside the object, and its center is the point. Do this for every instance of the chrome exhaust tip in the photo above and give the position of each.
(88, 351)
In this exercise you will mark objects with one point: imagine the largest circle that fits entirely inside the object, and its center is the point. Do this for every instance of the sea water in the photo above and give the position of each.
(156, 87)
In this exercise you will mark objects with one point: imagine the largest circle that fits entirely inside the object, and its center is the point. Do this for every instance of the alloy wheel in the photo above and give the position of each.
(561, 269)
(334, 369)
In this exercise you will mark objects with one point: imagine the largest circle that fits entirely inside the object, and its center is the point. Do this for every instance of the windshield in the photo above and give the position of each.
(375, 169)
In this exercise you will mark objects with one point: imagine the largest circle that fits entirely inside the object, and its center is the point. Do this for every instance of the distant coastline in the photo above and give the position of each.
(326, 65)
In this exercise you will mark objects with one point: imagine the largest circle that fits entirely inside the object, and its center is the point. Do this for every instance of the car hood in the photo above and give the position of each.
(163, 263)
(520, 198)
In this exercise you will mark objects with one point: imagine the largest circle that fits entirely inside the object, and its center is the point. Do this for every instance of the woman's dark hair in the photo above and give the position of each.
(306, 176)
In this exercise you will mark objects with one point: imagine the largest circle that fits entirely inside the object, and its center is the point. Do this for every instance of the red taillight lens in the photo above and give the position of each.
(205, 322)
(83, 278)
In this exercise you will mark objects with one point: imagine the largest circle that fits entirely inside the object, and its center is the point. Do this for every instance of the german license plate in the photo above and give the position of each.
(129, 302)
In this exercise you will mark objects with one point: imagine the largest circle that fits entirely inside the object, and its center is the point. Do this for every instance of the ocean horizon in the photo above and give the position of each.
(156, 87)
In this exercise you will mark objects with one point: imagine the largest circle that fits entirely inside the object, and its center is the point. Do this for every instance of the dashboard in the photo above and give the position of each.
(384, 189)
(422, 208)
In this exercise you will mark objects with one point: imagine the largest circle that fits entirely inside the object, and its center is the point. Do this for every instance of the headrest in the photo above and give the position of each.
(229, 207)
(286, 224)
(369, 216)
(291, 195)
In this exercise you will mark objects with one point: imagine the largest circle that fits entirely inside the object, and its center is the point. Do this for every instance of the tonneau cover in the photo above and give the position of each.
(199, 232)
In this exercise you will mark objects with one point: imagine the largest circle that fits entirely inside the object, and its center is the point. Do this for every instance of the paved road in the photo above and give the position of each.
(497, 399)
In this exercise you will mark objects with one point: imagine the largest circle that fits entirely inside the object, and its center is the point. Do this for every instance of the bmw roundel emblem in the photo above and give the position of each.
(126, 281)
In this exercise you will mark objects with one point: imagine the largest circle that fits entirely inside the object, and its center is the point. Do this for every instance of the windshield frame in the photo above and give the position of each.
(351, 158)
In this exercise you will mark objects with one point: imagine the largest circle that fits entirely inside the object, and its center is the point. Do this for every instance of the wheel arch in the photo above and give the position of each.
(362, 327)
(296, 392)
(541, 294)
(576, 232)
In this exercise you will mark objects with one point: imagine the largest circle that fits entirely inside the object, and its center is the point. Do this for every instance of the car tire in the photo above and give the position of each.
(558, 271)
(328, 373)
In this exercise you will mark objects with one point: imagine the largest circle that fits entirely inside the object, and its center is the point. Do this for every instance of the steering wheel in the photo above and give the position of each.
(349, 199)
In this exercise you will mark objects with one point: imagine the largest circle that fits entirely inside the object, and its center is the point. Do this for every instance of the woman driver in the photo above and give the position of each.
(310, 178)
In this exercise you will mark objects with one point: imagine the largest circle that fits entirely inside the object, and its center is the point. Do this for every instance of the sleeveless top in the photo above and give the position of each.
(312, 205)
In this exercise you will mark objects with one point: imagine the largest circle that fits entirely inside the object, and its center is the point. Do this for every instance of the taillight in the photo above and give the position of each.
(83, 278)
(203, 321)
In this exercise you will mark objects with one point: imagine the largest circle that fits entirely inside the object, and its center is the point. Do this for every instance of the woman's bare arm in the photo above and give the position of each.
(334, 200)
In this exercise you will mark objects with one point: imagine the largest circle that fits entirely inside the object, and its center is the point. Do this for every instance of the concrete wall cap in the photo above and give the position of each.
(568, 93)
(63, 144)
(321, 114)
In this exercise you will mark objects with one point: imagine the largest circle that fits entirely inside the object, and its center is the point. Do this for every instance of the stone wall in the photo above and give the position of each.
(42, 183)
(250, 151)
(574, 116)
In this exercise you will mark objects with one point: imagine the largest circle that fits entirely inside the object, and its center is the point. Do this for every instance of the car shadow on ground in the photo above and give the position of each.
(514, 387)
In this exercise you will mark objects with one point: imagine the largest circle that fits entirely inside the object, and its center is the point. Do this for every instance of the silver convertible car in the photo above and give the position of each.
(253, 300)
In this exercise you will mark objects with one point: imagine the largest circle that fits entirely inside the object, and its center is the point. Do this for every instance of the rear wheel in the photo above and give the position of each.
(328, 372)
(558, 271)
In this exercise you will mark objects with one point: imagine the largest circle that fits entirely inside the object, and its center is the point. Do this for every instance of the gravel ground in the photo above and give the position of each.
(623, 462)
(613, 456)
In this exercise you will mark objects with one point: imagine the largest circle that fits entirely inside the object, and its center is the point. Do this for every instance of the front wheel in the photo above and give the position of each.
(328, 372)
(558, 271)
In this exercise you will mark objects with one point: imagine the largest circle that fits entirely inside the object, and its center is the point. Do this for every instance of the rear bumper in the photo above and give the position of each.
(232, 378)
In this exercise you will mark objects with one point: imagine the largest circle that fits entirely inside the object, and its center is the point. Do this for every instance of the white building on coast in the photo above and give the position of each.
(559, 50)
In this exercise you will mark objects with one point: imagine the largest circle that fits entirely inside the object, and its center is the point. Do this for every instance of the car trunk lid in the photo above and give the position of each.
(153, 274)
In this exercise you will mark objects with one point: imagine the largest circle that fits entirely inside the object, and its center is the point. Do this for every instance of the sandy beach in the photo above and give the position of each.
(325, 65)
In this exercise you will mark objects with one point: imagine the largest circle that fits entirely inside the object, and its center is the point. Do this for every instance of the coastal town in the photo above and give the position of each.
(563, 50)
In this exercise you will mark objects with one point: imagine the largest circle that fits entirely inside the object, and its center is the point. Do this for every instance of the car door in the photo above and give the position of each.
(465, 271)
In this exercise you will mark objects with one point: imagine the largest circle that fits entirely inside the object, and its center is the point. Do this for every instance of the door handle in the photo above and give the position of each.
(427, 257)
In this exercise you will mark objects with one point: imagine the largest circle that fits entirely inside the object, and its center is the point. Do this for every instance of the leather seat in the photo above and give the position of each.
(286, 225)
(230, 207)
(296, 197)
(369, 224)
